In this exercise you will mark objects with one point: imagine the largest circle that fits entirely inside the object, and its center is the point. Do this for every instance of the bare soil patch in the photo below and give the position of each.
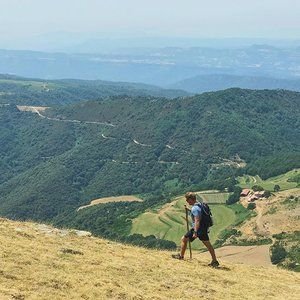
(32, 108)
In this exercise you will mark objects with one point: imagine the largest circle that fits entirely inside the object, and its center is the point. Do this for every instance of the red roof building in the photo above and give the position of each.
(245, 192)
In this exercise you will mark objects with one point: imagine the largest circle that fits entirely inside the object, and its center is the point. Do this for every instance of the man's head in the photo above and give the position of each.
(190, 198)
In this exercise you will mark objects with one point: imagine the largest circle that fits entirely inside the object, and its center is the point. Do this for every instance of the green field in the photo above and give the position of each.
(169, 223)
(248, 181)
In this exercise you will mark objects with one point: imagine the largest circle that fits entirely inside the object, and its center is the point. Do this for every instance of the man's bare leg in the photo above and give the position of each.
(184, 242)
(211, 250)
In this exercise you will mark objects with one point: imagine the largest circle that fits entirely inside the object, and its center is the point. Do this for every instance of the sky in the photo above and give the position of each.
(184, 18)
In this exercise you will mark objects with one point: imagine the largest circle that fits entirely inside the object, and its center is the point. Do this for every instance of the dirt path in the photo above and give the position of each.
(39, 109)
(138, 143)
(249, 255)
(261, 227)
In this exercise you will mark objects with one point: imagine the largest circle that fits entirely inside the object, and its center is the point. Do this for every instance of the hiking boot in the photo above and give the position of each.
(214, 264)
(177, 256)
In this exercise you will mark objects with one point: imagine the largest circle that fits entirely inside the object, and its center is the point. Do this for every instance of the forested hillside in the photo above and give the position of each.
(152, 147)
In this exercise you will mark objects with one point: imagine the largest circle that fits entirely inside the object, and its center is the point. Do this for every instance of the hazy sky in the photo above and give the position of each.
(192, 18)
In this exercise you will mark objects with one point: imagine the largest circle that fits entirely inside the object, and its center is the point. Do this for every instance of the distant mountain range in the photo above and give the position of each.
(215, 82)
(76, 42)
(155, 66)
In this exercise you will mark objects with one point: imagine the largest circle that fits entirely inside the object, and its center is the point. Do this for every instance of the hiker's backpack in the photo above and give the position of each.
(206, 215)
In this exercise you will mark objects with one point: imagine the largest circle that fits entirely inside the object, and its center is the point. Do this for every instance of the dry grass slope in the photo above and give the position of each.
(40, 265)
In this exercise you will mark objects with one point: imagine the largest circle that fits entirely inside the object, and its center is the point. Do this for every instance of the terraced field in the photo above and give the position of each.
(169, 221)
(213, 197)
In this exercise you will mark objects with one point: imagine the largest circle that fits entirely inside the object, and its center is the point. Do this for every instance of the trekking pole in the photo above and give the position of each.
(188, 229)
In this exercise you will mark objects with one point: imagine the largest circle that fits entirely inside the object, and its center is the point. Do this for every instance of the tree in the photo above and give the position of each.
(268, 194)
(235, 197)
(257, 188)
(251, 206)
(278, 253)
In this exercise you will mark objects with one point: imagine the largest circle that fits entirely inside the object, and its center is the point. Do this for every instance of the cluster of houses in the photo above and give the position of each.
(252, 196)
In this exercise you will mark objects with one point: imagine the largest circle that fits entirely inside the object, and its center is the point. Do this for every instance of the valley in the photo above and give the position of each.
(112, 113)
(58, 157)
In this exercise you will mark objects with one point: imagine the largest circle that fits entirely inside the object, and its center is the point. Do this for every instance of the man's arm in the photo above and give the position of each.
(197, 225)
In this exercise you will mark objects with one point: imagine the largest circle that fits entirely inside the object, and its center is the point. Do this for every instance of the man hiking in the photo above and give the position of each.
(199, 229)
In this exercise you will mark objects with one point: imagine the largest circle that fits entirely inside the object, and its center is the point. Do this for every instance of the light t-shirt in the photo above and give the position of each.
(195, 212)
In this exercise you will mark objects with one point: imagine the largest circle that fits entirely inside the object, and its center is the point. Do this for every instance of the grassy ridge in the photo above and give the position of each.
(248, 181)
(157, 148)
(19, 90)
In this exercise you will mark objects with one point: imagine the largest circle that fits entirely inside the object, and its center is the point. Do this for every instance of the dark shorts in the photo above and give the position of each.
(202, 234)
